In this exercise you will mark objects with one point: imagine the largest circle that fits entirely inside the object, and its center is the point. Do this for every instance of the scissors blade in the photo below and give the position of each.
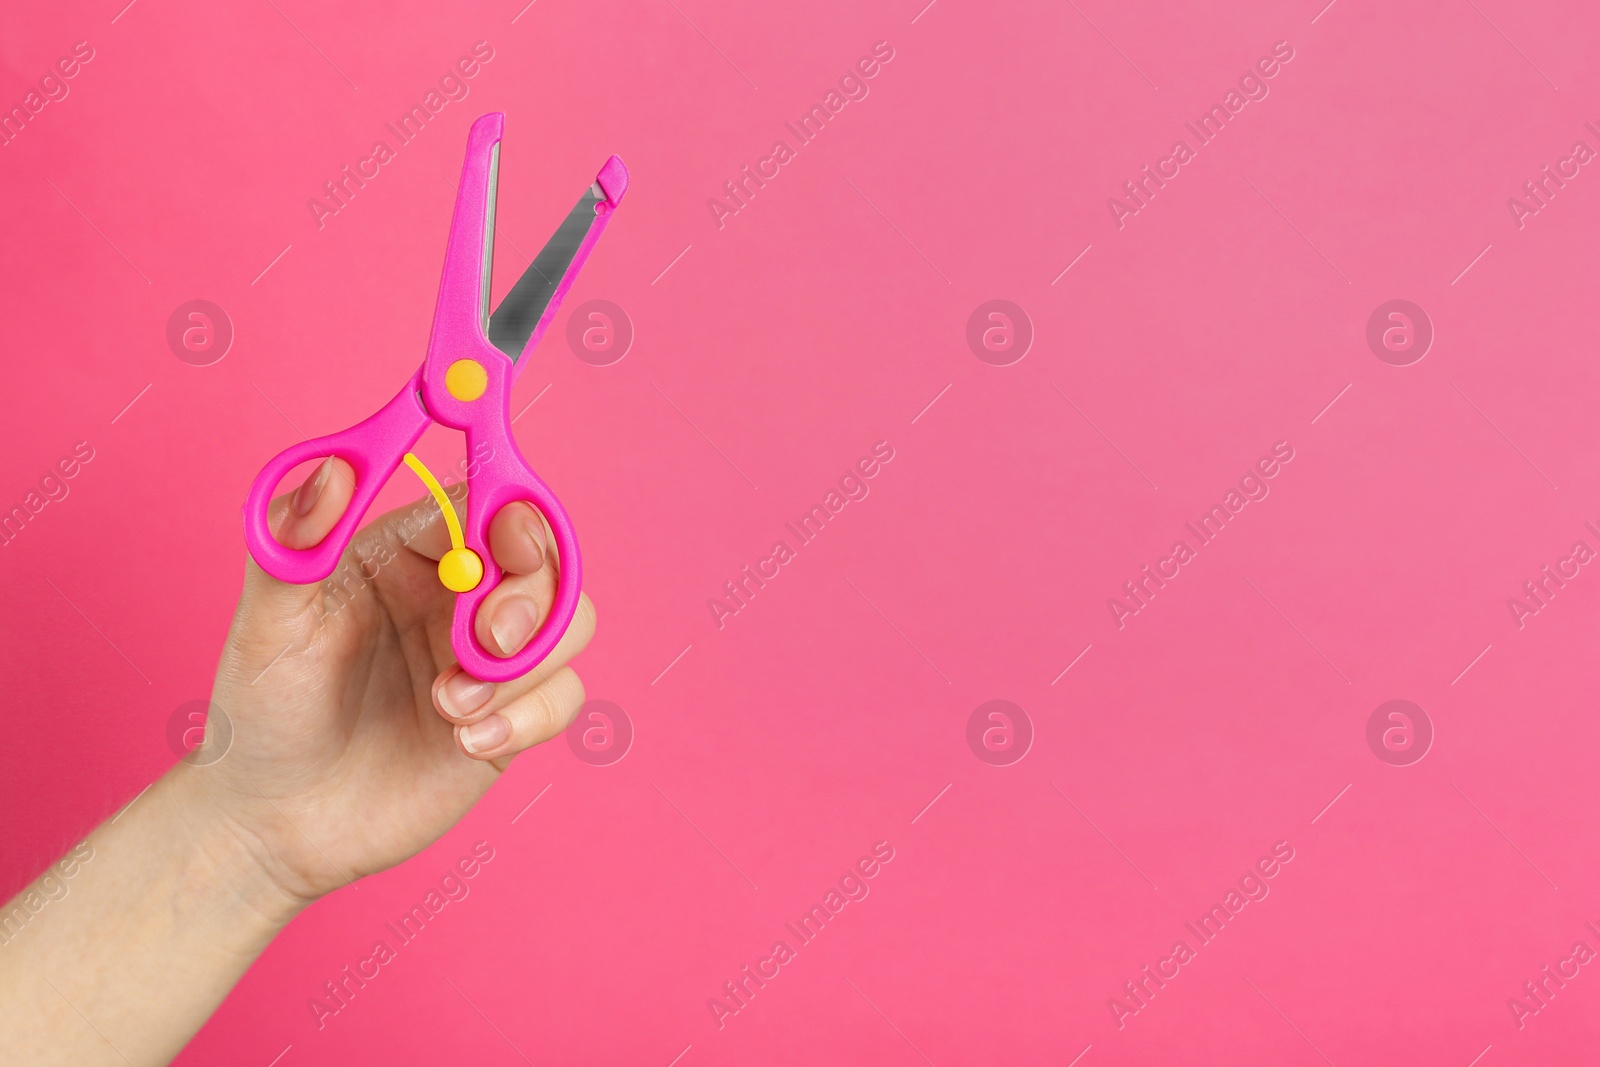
(518, 315)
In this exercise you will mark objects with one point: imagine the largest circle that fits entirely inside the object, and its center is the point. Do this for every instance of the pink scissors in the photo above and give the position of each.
(464, 383)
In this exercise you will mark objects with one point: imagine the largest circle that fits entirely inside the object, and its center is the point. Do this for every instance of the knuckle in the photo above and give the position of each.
(546, 714)
(578, 695)
(552, 705)
(584, 620)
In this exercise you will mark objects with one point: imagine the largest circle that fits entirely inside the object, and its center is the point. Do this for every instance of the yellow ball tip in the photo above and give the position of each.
(460, 570)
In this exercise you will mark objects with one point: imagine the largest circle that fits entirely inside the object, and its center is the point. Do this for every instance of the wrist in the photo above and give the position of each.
(231, 867)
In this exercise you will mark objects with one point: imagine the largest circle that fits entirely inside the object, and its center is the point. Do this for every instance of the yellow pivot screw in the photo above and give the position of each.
(466, 379)
(460, 569)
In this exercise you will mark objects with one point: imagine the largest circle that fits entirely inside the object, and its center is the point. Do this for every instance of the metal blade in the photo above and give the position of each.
(488, 235)
(514, 321)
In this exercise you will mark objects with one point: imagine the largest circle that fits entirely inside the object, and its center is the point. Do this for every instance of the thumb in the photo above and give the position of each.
(301, 520)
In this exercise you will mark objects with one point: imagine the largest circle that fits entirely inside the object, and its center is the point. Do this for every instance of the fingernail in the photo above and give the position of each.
(461, 695)
(512, 624)
(483, 736)
(310, 491)
(535, 532)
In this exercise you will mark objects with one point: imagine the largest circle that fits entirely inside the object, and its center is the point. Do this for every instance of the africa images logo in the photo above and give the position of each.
(1141, 589)
(852, 86)
(853, 486)
(340, 190)
(1207, 128)
(1138, 992)
(852, 887)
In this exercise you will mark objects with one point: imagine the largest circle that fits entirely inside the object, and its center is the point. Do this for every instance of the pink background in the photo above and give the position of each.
(774, 352)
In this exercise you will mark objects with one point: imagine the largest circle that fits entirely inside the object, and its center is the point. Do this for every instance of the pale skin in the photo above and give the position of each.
(357, 748)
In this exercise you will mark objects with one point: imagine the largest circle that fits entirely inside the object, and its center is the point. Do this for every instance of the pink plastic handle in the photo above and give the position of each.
(373, 448)
(502, 476)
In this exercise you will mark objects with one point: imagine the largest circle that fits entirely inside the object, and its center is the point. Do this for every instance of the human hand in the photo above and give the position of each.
(357, 740)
